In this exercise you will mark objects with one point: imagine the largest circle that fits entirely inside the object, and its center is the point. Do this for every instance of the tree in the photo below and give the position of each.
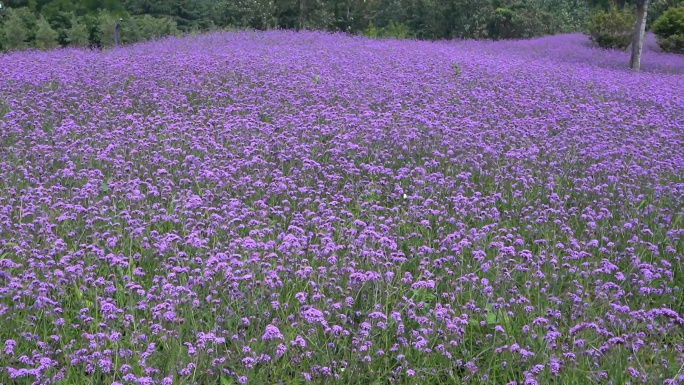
(639, 28)
(14, 33)
(149, 27)
(669, 28)
(46, 37)
(639, 32)
(77, 34)
(188, 14)
(657, 7)
(613, 28)
(105, 29)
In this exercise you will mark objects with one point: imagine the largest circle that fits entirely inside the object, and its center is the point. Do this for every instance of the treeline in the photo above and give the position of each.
(50, 23)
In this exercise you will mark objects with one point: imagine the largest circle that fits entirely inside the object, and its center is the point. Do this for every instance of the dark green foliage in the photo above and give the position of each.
(189, 15)
(671, 22)
(77, 34)
(392, 30)
(612, 28)
(501, 23)
(130, 30)
(58, 14)
(568, 15)
(674, 43)
(15, 32)
(46, 37)
(29, 21)
(471, 19)
(49, 8)
(531, 22)
(519, 22)
(669, 28)
(423, 19)
(146, 27)
(607, 5)
(256, 14)
(104, 32)
(657, 7)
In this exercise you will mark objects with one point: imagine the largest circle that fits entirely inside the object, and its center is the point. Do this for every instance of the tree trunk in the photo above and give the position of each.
(639, 32)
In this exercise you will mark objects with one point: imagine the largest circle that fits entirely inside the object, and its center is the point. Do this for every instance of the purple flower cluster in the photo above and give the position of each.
(281, 207)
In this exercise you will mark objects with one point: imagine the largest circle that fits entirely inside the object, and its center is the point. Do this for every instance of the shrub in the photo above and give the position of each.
(150, 27)
(130, 31)
(656, 8)
(391, 30)
(256, 14)
(396, 30)
(500, 24)
(17, 28)
(674, 43)
(669, 28)
(13, 34)
(519, 23)
(146, 27)
(77, 35)
(531, 22)
(104, 32)
(46, 37)
(612, 28)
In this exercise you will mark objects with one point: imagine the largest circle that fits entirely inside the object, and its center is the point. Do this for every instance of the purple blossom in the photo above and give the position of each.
(355, 200)
(272, 332)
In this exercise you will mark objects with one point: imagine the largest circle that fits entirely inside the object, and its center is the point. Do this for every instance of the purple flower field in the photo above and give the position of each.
(292, 208)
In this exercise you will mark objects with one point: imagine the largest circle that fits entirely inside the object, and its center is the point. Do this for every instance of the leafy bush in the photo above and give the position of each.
(669, 28)
(146, 27)
(531, 22)
(15, 32)
(518, 23)
(78, 34)
(46, 37)
(391, 30)
(130, 30)
(500, 23)
(104, 32)
(612, 28)
(671, 22)
(657, 7)
(396, 30)
(568, 15)
(256, 14)
(150, 27)
(674, 43)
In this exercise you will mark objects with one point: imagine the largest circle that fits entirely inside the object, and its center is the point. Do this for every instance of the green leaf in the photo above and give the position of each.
(226, 381)
(104, 187)
(495, 316)
(491, 318)
(642, 204)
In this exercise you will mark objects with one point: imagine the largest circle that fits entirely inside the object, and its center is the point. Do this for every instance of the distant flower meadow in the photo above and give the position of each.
(291, 208)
